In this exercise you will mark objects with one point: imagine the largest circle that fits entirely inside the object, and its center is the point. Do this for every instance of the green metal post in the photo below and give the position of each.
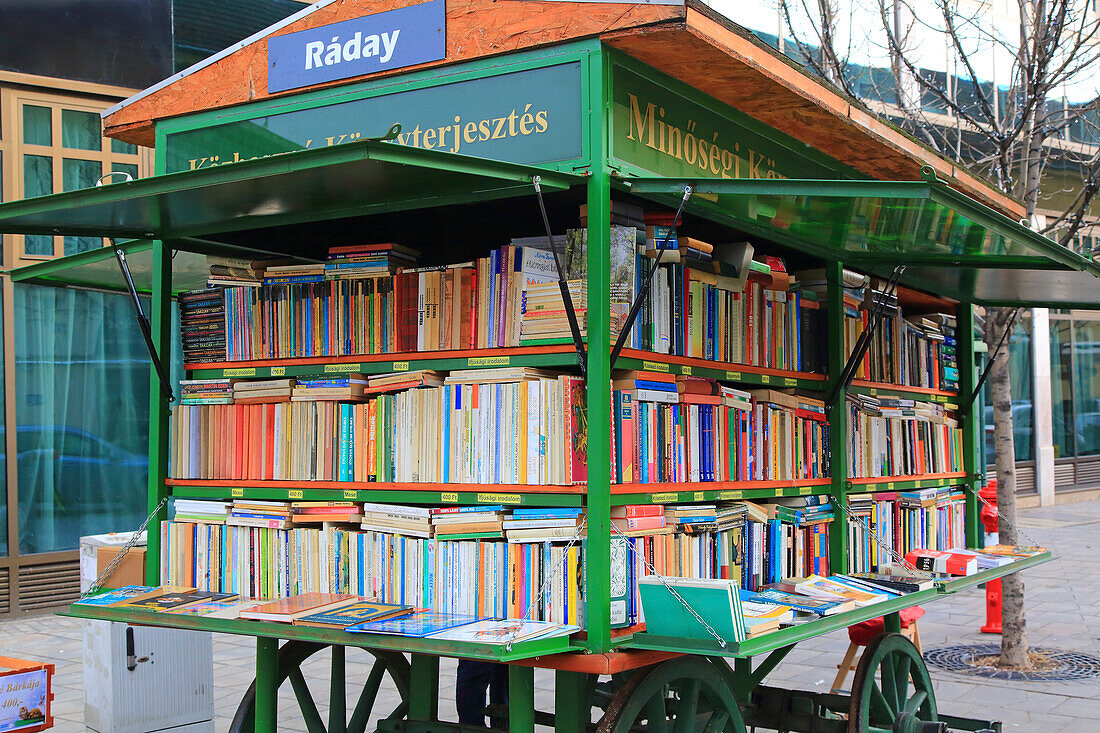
(598, 549)
(160, 326)
(337, 701)
(838, 418)
(424, 688)
(970, 421)
(572, 704)
(891, 623)
(267, 684)
(521, 699)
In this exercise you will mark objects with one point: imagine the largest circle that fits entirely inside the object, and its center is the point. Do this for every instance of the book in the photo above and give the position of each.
(117, 596)
(940, 561)
(504, 631)
(417, 624)
(798, 602)
(173, 599)
(285, 610)
(716, 601)
(350, 614)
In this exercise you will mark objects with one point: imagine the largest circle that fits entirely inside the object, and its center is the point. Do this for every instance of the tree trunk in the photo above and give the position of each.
(1014, 649)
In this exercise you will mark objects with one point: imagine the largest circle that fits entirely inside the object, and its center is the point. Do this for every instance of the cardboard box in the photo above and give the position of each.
(89, 546)
(131, 571)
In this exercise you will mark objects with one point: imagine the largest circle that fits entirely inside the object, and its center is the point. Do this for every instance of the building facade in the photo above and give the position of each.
(71, 356)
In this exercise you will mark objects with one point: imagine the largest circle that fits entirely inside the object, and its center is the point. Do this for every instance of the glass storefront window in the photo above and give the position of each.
(79, 358)
(117, 146)
(76, 173)
(1019, 371)
(1061, 386)
(37, 175)
(75, 245)
(1086, 386)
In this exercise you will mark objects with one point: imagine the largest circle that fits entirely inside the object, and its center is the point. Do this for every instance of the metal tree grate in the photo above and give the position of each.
(963, 659)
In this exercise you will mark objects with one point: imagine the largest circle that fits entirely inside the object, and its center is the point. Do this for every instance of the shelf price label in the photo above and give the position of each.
(278, 371)
(685, 369)
(236, 493)
(449, 496)
(349, 493)
(240, 372)
(730, 495)
(294, 494)
(766, 378)
(733, 376)
(699, 496)
(500, 498)
(342, 368)
(654, 366)
(889, 485)
(400, 366)
(664, 497)
(488, 361)
(804, 490)
(873, 391)
(790, 381)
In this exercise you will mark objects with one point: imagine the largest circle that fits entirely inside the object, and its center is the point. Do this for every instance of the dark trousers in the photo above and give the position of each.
(472, 681)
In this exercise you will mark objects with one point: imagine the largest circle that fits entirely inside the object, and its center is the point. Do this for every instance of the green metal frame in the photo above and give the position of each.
(602, 172)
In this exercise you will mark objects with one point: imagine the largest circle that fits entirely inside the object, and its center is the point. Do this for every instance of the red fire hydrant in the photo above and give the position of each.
(992, 588)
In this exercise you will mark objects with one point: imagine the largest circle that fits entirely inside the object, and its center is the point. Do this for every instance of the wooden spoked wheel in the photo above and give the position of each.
(291, 656)
(682, 695)
(892, 692)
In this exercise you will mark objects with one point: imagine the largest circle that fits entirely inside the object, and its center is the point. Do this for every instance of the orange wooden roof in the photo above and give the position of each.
(692, 44)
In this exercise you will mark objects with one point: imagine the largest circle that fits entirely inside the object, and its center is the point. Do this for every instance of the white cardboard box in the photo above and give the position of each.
(90, 545)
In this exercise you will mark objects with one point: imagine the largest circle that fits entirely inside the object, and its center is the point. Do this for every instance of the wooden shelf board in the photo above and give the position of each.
(922, 481)
(663, 493)
(506, 494)
(688, 365)
(863, 384)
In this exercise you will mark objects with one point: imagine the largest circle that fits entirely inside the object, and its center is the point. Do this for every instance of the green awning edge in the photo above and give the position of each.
(933, 190)
(11, 213)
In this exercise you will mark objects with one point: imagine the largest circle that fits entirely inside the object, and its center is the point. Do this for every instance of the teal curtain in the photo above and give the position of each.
(1061, 387)
(82, 411)
(1086, 386)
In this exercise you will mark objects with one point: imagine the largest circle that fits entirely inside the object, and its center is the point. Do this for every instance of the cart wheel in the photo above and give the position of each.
(291, 656)
(684, 694)
(892, 692)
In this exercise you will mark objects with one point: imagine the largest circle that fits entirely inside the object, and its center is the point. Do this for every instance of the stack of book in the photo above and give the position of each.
(545, 320)
(898, 437)
(316, 512)
(201, 510)
(202, 325)
(349, 388)
(368, 260)
(468, 523)
(639, 520)
(257, 513)
(411, 521)
(256, 392)
(544, 525)
(206, 391)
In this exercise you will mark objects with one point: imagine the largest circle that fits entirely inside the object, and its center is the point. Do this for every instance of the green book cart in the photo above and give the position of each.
(800, 201)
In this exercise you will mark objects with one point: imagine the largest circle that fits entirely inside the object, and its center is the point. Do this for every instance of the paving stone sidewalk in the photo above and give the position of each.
(1063, 598)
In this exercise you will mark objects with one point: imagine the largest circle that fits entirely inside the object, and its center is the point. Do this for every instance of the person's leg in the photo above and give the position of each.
(471, 683)
(498, 691)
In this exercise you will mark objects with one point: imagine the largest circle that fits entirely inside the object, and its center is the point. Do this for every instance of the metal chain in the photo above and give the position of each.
(98, 584)
(1001, 517)
(710, 630)
(545, 583)
(879, 540)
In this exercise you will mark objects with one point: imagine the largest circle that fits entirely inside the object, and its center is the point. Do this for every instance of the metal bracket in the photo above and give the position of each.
(848, 373)
(143, 322)
(637, 304)
(563, 285)
(989, 364)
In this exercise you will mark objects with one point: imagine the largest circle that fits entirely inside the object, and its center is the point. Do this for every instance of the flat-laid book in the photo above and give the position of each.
(717, 602)
(117, 596)
(417, 624)
(508, 631)
(353, 613)
(285, 610)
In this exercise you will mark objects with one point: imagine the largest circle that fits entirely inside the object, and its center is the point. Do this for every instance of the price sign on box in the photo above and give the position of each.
(25, 695)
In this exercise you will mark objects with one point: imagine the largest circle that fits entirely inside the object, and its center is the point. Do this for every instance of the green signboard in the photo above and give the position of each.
(684, 134)
(530, 116)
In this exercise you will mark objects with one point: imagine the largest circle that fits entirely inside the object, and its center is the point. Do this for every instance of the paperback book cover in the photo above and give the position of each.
(351, 614)
(418, 624)
(117, 596)
(504, 632)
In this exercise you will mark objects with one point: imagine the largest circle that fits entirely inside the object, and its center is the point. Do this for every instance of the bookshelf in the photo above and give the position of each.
(400, 189)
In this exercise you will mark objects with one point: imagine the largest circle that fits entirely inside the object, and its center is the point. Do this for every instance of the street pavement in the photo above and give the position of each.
(1062, 601)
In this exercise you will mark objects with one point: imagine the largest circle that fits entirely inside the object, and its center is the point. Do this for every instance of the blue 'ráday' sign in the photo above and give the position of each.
(390, 40)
